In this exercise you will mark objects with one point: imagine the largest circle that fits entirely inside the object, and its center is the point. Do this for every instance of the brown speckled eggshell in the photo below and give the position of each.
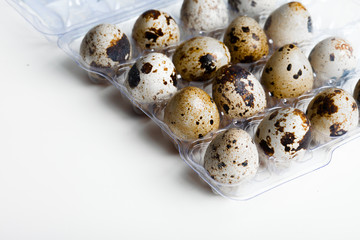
(191, 114)
(290, 23)
(284, 134)
(232, 157)
(246, 40)
(237, 93)
(204, 15)
(155, 29)
(199, 58)
(288, 73)
(252, 8)
(333, 112)
(105, 46)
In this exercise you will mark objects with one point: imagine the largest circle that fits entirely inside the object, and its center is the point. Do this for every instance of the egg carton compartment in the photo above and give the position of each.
(71, 20)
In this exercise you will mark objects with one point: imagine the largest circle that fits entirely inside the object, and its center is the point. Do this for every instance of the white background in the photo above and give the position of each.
(77, 163)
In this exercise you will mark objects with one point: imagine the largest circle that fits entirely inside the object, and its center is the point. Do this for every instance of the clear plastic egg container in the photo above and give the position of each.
(69, 21)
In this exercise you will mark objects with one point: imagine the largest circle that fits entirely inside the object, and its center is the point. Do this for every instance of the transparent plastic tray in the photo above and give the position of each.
(69, 21)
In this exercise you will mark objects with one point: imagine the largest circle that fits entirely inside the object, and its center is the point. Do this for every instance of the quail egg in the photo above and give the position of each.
(204, 15)
(103, 47)
(284, 134)
(237, 93)
(332, 58)
(232, 157)
(357, 92)
(291, 23)
(333, 112)
(155, 29)
(288, 73)
(152, 78)
(199, 58)
(191, 114)
(246, 40)
(252, 8)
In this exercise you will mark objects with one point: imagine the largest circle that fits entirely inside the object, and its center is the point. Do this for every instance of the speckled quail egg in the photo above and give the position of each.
(199, 58)
(104, 46)
(155, 29)
(357, 92)
(288, 73)
(237, 93)
(333, 112)
(291, 23)
(204, 15)
(252, 8)
(231, 157)
(284, 134)
(152, 78)
(332, 58)
(246, 40)
(191, 114)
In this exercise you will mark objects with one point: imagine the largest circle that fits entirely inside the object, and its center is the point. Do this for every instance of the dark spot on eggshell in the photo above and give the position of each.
(309, 25)
(208, 62)
(268, 23)
(146, 68)
(288, 67)
(296, 76)
(335, 130)
(154, 34)
(228, 146)
(168, 19)
(134, 77)
(248, 59)
(119, 49)
(154, 14)
(305, 141)
(244, 164)
(255, 37)
(332, 57)
(268, 70)
(245, 29)
(277, 124)
(325, 104)
(287, 140)
(281, 49)
(201, 136)
(211, 122)
(253, 3)
(337, 91)
(221, 165)
(268, 150)
(232, 36)
(247, 96)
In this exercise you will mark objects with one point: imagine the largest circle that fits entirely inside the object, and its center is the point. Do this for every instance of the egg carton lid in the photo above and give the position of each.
(57, 17)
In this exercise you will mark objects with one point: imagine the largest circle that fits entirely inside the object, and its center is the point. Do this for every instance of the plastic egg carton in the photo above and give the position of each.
(68, 22)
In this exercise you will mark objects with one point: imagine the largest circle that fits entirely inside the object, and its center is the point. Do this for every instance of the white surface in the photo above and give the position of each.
(77, 163)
